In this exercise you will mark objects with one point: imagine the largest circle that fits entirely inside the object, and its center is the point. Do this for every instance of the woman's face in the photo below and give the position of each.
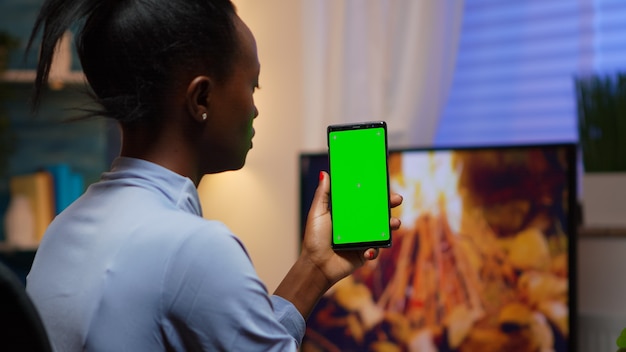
(228, 130)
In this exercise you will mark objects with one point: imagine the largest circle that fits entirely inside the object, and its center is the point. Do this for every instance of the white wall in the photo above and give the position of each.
(602, 259)
(601, 272)
(260, 202)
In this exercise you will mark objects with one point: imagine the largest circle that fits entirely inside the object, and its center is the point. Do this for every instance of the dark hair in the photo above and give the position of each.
(132, 51)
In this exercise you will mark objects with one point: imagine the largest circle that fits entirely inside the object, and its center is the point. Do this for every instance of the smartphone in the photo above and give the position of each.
(359, 185)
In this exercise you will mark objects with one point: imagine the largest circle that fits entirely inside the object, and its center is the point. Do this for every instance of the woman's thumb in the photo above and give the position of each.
(319, 206)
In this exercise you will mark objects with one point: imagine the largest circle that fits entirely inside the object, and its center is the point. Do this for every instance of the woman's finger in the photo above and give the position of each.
(371, 253)
(395, 199)
(395, 223)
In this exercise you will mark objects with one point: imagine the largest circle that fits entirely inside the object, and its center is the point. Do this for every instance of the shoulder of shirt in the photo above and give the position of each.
(199, 232)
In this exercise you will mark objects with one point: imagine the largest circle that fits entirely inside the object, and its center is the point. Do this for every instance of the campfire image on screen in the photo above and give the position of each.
(480, 263)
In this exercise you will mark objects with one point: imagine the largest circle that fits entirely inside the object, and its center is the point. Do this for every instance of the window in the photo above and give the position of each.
(514, 77)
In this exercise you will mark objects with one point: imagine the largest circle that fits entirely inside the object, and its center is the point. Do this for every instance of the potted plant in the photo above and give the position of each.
(601, 101)
(602, 122)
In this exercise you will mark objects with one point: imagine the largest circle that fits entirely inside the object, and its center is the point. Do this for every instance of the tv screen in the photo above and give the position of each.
(484, 260)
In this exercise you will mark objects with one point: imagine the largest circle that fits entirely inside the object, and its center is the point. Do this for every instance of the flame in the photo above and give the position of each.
(429, 184)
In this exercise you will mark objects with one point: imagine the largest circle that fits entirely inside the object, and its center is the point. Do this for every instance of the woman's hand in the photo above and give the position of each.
(319, 267)
(318, 232)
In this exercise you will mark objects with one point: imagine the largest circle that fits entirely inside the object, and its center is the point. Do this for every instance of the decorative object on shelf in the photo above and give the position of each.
(601, 100)
(61, 66)
(19, 225)
(36, 190)
(601, 103)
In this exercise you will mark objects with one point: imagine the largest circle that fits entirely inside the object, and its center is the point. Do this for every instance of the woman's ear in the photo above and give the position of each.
(198, 98)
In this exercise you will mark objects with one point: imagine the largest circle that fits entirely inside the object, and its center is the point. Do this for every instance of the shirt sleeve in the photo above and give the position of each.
(289, 317)
(214, 300)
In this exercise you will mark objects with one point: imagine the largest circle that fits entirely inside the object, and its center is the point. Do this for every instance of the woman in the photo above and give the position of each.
(132, 265)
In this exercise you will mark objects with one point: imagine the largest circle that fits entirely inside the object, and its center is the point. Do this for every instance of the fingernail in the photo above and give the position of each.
(321, 175)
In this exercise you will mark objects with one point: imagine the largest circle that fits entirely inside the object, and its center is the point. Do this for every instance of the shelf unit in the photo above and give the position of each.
(28, 76)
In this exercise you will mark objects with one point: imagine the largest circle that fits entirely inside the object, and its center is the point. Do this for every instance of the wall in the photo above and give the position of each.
(601, 284)
(260, 202)
(602, 258)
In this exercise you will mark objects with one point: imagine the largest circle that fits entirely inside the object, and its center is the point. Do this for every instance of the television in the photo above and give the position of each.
(484, 259)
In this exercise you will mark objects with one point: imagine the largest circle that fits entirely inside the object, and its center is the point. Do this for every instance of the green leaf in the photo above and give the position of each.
(621, 340)
(601, 110)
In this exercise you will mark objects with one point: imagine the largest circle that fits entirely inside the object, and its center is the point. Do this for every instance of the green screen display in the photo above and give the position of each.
(359, 187)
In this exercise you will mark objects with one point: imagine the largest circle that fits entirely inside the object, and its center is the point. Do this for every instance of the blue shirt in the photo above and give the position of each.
(133, 266)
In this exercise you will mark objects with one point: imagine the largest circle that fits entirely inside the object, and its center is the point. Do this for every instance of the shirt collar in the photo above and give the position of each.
(180, 190)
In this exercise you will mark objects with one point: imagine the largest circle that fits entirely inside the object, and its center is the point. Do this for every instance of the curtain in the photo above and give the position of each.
(386, 60)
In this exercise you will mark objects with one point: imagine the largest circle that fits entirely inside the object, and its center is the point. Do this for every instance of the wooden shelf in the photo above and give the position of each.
(28, 76)
(589, 232)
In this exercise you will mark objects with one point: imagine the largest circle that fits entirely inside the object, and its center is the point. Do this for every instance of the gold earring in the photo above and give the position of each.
(204, 116)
